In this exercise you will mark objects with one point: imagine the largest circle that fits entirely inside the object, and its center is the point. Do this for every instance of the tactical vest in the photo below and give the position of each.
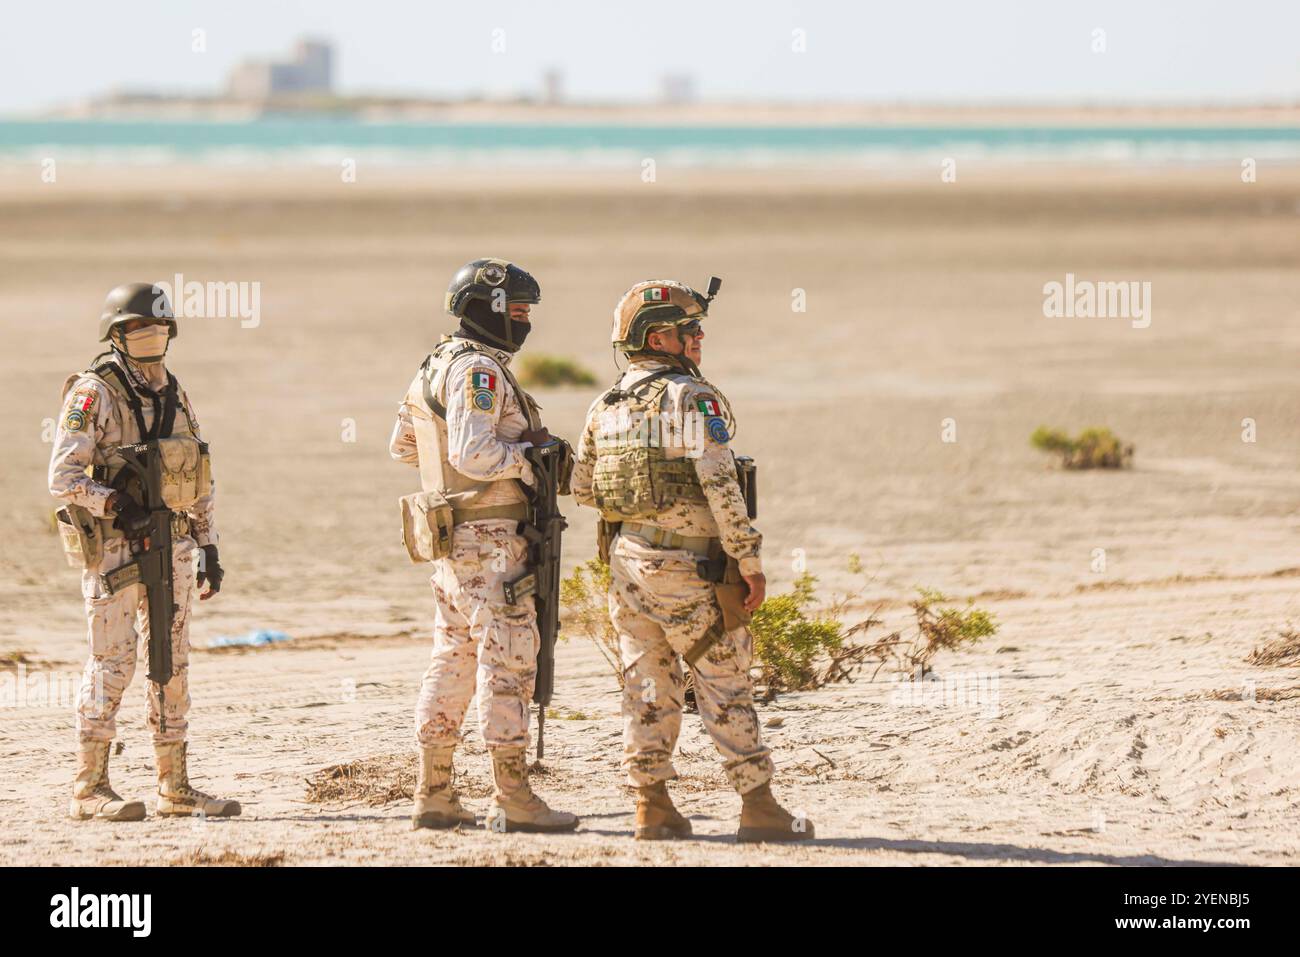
(633, 477)
(436, 471)
(165, 421)
(186, 469)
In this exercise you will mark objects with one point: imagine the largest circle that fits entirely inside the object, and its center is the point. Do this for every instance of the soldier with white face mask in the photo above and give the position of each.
(128, 408)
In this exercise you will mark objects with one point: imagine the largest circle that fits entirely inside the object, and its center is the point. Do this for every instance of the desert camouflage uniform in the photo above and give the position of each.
(480, 642)
(95, 418)
(661, 607)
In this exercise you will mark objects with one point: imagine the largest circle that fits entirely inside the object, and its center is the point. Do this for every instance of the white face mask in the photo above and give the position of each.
(148, 344)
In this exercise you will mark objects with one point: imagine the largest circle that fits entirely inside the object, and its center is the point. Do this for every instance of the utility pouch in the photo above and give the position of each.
(729, 587)
(564, 470)
(427, 524)
(605, 532)
(205, 470)
(124, 576)
(747, 477)
(80, 535)
(182, 459)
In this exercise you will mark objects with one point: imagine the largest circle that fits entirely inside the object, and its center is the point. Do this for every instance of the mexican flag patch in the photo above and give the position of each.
(655, 294)
(708, 406)
(483, 380)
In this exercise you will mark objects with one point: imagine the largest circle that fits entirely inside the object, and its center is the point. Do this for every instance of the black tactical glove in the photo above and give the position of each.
(132, 517)
(210, 571)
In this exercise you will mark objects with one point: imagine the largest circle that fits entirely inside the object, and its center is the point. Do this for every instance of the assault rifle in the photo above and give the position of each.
(552, 466)
(152, 564)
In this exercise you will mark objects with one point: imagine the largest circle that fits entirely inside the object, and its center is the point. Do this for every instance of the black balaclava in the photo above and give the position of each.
(484, 324)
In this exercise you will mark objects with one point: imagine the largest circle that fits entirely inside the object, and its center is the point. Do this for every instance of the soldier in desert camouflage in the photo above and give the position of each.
(654, 458)
(466, 423)
(129, 397)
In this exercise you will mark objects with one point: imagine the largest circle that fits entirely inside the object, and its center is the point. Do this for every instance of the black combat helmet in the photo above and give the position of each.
(136, 300)
(479, 295)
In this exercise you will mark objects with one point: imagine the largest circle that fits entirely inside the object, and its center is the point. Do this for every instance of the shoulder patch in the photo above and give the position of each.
(480, 389)
(83, 400)
(479, 379)
(80, 408)
(718, 431)
(708, 405)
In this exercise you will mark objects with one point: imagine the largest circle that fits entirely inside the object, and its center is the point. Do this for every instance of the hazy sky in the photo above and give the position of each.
(914, 50)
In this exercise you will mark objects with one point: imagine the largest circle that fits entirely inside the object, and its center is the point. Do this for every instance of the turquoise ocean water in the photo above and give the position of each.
(326, 141)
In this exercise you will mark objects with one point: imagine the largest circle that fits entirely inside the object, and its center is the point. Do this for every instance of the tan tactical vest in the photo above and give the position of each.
(108, 462)
(461, 491)
(186, 468)
(634, 479)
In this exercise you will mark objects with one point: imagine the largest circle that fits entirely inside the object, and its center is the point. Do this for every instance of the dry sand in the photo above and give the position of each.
(1108, 744)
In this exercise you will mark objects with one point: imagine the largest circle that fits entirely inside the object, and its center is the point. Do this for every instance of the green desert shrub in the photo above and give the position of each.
(1094, 448)
(798, 644)
(584, 599)
(550, 371)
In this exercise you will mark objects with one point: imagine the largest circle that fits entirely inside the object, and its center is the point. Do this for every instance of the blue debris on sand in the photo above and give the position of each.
(262, 636)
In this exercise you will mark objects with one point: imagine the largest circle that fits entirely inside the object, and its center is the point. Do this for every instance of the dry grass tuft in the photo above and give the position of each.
(1281, 651)
(199, 858)
(10, 660)
(1241, 694)
(374, 781)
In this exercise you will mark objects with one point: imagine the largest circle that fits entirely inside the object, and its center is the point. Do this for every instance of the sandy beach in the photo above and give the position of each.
(1129, 727)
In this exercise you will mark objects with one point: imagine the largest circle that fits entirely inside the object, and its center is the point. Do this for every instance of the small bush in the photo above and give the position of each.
(781, 642)
(1095, 448)
(789, 643)
(585, 596)
(549, 371)
(797, 645)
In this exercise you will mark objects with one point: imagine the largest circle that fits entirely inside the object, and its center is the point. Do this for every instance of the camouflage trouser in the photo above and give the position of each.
(118, 626)
(660, 608)
(480, 643)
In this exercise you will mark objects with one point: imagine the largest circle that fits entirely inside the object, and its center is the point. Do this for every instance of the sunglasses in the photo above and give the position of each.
(691, 328)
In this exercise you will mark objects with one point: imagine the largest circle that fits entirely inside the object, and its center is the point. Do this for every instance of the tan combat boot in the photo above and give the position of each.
(656, 818)
(762, 819)
(436, 804)
(514, 805)
(175, 796)
(92, 796)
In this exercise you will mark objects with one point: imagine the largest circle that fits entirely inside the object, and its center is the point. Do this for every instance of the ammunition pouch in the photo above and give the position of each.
(81, 536)
(186, 471)
(427, 524)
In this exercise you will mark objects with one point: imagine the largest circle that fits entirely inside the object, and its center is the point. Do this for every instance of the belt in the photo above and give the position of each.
(180, 526)
(517, 512)
(701, 545)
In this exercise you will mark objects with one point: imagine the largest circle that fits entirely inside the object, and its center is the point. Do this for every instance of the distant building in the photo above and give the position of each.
(677, 88)
(311, 70)
(552, 86)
